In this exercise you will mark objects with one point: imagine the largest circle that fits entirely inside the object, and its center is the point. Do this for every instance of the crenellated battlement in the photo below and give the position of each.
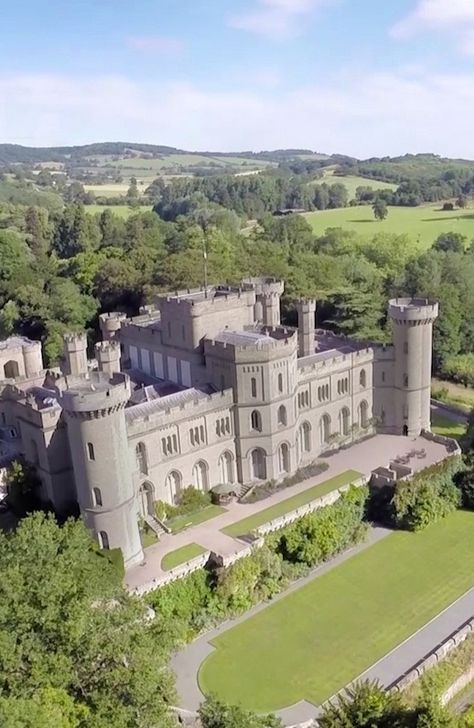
(327, 362)
(73, 340)
(240, 347)
(97, 395)
(143, 417)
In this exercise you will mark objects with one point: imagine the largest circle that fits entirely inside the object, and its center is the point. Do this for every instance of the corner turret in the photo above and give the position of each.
(75, 354)
(412, 321)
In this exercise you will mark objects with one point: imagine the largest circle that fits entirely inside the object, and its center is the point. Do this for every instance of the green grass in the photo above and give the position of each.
(193, 519)
(300, 499)
(148, 537)
(181, 555)
(314, 641)
(454, 394)
(352, 182)
(419, 223)
(120, 210)
(444, 426)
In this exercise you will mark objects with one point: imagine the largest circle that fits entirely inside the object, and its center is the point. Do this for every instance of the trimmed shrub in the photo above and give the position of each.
(190, 500)
(428, 496)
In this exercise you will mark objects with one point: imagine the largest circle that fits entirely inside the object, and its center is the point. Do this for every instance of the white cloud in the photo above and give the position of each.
(362, 114)
(455, 17)
(276, 19)
(155, 44)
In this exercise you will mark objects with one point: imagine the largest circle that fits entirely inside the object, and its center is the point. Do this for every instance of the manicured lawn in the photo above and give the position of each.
(192, 519)
(180, 556)
(300, 499)
(148, 538)
(444, 426)
(422, 224)
(317, 639)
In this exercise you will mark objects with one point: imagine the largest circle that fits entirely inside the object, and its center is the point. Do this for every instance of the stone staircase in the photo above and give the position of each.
(244, 489)
(156, 526)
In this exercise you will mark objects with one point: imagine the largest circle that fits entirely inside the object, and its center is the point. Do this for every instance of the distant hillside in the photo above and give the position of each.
(411, 167)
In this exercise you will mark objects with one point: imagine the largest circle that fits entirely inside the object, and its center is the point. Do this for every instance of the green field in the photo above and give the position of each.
(314, 641)
(351, 182)
(420, 223)
(444, 426)
(120, 210)
(456, 395)
(246, 525)
(193, 519)
(181, 555)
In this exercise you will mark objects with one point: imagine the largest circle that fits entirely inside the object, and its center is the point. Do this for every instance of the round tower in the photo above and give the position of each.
(94, 409)
(110, 324)
(412, 320)
(107, 354)
(33, 358)
(75, 354)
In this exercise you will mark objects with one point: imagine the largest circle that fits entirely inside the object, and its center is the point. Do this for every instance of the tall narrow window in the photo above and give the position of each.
(103, 540)
(282, 418)
(141, 456)
(256, 421)
(253, 386)
(280, 382)
(97, 497)
(90, 451)
(363, 378)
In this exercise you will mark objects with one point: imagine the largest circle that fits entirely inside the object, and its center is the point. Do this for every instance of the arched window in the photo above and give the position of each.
(253, 387)
(305, 437)
(280, 382)
(364, 414)
(201, 476)
(103, 540)
(226, 468)
(256, 421)
(282, 417)
(363, 379)
(142, 462)
(174, 483)
(11, 369)
(258, 464)
(96, 497)
(344, 421)
(325, 429)
(284, 458)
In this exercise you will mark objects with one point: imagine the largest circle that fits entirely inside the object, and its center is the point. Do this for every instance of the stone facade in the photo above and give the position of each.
(206, 387)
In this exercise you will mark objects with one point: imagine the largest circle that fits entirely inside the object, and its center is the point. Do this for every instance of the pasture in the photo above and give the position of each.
(315, 640)
(352, 182)
(120, 210)
(422, 224)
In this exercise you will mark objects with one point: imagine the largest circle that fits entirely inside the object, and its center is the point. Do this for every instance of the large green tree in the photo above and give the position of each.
(73, 645)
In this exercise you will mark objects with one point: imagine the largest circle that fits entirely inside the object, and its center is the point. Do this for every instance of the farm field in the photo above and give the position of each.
(314, 641)
(352, 182)
(300, 499)
(454, 394)
(120, 210)
(421, 223)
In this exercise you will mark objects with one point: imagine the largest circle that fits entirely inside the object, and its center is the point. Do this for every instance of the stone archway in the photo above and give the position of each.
(258, 464)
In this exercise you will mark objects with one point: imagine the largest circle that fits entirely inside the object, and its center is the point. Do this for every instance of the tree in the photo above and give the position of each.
(23, 486)
(216, 714)
(461, 202)
(364, 705)
(450, 242)
(72, 641)
(133, 195)
(380, 209)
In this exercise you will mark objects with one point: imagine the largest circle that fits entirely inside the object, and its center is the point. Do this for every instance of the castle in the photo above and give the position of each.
(205, 388)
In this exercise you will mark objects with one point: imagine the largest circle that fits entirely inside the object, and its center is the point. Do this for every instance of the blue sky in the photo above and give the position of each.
(361, 77)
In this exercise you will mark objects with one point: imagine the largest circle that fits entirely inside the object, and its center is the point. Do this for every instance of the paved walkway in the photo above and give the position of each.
(363, 457)
(186, 663)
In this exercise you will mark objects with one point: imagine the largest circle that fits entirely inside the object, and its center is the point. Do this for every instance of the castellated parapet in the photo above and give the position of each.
(95, 413)
(108, 356)
(110, 324)
(75, 353)
(412, 322)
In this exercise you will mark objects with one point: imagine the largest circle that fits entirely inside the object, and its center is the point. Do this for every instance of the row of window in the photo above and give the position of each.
(343, 386)
(303, 399)
(223, 426)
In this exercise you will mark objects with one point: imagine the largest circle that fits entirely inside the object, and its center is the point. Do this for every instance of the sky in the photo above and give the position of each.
(358, 77)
